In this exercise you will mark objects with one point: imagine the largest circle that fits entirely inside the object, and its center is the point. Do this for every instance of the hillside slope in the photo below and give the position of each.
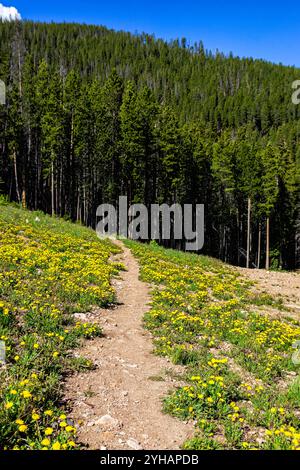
(93, 114)
(226, 91)
(236, 379)
(49, 269)
(242, 391)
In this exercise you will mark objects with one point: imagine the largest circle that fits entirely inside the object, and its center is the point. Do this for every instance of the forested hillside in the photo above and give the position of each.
(92, 114)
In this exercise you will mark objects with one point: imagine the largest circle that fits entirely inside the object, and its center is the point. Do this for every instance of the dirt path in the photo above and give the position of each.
(119, 403)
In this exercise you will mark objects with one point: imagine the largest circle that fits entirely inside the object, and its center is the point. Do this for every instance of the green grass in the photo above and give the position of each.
(49, 269)
(237, 359)
(239, 389)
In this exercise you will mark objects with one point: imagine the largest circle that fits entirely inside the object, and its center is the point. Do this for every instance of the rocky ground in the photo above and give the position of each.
(282, 285)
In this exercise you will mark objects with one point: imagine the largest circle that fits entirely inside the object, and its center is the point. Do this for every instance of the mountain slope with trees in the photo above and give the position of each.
(92, 114)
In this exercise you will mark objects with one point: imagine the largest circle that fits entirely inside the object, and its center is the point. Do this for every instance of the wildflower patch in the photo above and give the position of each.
(198, 305)
(49, 269)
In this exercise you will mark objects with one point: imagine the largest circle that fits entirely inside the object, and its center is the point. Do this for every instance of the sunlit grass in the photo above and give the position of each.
(49, 269)
(237, 360)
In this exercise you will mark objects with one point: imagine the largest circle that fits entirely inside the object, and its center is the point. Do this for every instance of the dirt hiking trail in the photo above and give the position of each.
(119, 404)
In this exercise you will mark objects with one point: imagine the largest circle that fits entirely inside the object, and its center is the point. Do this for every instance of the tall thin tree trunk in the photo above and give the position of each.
(16, 176)
(57, 191)
(248, 233)
(62, 207)
(268, 244)
(223, 243)
(259, 246)
(52, 190)
(26, 190)
(24, 199)
(238, 237)
(84, 204)
(37, 180)
(78, 217)
(71, 185)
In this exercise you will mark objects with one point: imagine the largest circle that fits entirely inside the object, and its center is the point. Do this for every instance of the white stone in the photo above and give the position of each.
(133, 444)
(107, 420)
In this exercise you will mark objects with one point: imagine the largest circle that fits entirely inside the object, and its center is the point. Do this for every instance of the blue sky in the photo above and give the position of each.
(261, 29)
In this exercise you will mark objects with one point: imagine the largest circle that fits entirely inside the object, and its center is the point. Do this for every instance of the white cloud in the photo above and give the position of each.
(9, 13)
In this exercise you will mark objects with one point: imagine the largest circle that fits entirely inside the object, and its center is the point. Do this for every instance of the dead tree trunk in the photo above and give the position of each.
(268, 244)
(259, 246)
(248, 233)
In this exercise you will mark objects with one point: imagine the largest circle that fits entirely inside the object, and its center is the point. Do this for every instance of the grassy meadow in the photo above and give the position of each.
(49, 269)
(242, 388)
